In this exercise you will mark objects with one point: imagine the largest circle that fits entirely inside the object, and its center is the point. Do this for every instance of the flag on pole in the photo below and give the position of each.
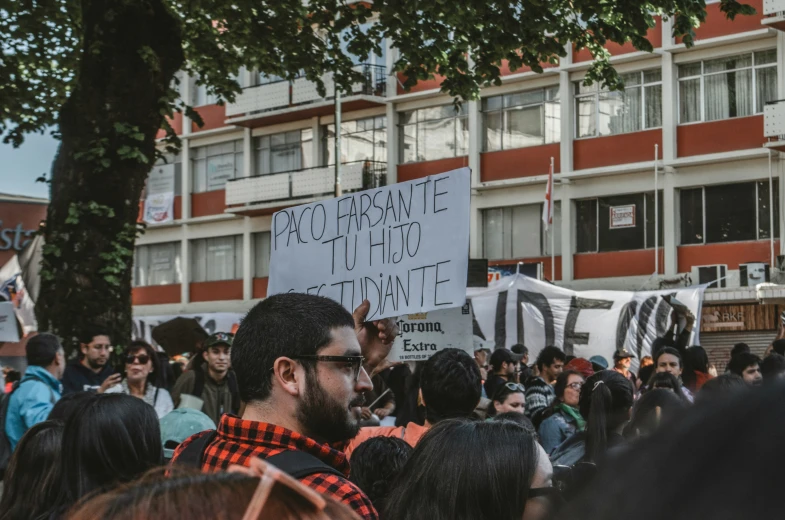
(547, 208)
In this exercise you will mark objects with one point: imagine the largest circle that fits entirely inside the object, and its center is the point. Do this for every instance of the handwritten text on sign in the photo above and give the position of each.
(402, 247)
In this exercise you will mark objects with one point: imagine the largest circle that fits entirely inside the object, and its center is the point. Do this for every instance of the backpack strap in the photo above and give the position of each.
(299, 464)
(198, 383)
(192, 455)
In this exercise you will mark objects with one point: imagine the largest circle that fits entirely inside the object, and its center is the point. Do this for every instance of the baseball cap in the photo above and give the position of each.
(582, 366)
(219, 338)
(622, 354)
(518, 352)
(599, 363)
(179, 424)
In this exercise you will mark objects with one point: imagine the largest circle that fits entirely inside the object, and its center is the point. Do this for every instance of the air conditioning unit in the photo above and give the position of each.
(531, 269)
(714, 275)
(753, 273)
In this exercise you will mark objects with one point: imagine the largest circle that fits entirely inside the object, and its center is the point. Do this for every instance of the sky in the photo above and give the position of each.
(20, 167)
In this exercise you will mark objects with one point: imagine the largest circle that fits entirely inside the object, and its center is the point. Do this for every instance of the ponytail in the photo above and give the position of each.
(597, 421)
(606, 400)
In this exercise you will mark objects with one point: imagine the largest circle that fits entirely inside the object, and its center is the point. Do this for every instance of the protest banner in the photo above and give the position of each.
(402, 247)
(519, 309)
(159, 208)
(424, 334)
(211, 322)
(9, 330)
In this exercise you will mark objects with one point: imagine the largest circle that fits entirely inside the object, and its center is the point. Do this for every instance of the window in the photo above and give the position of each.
(722, 88)
(284, 152)
(261, 250)
(157, 264)
(215, 164)
(200, 96)
(637, 107)
(434, 133)
(517, 232)
(522, 119)
(214, 259)
(728, 213)
(361, 140)
(618, 223)
(166, 176)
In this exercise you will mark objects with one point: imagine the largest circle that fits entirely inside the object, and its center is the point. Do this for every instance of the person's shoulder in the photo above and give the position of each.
(186, 378)
(344, 491)
(188, 441)
(116, 389)
(371, 432)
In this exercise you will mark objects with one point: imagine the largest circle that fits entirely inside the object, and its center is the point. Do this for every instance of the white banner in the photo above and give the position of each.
(211, 322)
(8, 328)
(13, 290)
(424, 334)
(159, 208)
(404, 247)
(519, 309)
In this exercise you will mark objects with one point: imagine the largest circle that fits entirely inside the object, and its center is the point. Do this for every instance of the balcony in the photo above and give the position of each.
(284, 100)
(264, 194)
(774, 124)
(774, 14)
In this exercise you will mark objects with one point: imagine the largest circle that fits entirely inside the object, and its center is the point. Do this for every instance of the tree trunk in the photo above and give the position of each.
(131, 52)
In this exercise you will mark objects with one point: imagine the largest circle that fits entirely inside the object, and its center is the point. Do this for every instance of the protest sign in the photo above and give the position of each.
(519, 309)
(9, 331)
(159, 208)
(424, 334)
(404, 247)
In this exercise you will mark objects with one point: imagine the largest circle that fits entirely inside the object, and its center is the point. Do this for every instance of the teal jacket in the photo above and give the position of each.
(31, 402)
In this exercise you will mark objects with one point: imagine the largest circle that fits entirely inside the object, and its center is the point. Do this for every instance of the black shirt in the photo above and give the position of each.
(493, 383)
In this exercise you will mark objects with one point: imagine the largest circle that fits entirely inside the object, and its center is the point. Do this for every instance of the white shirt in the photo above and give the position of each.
(162, 403)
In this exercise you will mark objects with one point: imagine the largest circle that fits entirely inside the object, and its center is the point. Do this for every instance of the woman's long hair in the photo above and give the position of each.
(606, 399)
(462, 470)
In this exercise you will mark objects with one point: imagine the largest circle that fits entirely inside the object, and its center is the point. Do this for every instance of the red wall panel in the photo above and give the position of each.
(730, 253)
(616, 149)
(654, 35)
(411, 171)
(739, 133)
(260, 287)
(612, 264)
(520, 162)
(208, 203)
(215, 291)
(156, 294)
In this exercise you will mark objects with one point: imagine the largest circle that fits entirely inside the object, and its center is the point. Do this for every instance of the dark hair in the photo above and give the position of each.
(606, 399)
(375, 463)
(741, 361)
(668, 350)
(68, 404)
(772, 366)
(282, 325)
(644, 414)
(520, 349)
(499, 357)
(33, 475)
(111, 439)
(500, 395)
(449, 478)
(738, 348)
(720, 388)
(517, 418)
(696, 358)
(451, 385)
(706, 451)
(645, 373)
(666, 381)
(778, 346)
(548, 355)
(13, 376)
(156, 378)
(88, 334)
(41, 350)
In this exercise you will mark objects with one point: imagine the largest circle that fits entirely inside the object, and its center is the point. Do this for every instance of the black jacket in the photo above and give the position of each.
(78, 378)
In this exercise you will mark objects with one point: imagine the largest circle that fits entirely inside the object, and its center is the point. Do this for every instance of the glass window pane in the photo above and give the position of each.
(407, 117)
(621, 224)
(220, 168)
(653, 106)
(199, 175)
(493, 233)
(585, 113)
(492, 103)
(436, 139)
(526, 223)
(552, 122)
(409, 143)
(689, 69)
(730, 212)
(493, 131)
(524, 127)
(727, 63)
(580, 88)
(631, 79)
(650, 220)
(691, 214)
(524, 98)
(261, 254)
(462, 136)
(764, 57)
(553, 228)
(586, 228)
(689, 100)
(652, 76)
(620, 112)
(552, 94)
(763, 209)
(766, 87)
(728, 95)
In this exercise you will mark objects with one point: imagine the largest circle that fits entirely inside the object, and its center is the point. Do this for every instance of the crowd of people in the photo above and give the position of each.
(273, 423)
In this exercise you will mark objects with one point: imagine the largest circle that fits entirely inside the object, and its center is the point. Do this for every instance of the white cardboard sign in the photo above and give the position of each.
(404, 247)
(8, 328)
(424, 334)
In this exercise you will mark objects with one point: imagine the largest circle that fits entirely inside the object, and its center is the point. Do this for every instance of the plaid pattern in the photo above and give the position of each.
(239, 441)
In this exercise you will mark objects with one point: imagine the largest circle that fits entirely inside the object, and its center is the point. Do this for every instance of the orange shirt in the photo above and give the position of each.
(411, 434)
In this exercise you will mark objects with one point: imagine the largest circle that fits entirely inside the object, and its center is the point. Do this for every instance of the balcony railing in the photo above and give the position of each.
(304, 184)
(774, 14)
(286, 94)
(774, 124)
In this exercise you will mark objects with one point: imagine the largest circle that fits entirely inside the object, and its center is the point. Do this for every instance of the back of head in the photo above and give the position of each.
(68, 404)
(42, 349)
(462, 470)
(517, 418)
(281, 325)
(738, 348)
(499, 357)
(111, 439)
(33, 475)
(605, 402)
(451, 385)
(720, 388)
(666, 381)
(644, 374)
(179, 424)
(548, 355)
(375, 465)
(741, 361)
(696, 358)
(654, 408)
(777, 346)
(772, 366)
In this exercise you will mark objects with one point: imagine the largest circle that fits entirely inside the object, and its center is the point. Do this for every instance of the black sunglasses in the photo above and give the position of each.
(141, 358)
(356, 362)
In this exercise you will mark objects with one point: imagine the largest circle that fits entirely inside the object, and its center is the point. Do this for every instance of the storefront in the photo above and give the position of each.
(722, 326)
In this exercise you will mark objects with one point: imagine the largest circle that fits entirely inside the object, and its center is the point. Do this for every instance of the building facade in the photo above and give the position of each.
(696, 116)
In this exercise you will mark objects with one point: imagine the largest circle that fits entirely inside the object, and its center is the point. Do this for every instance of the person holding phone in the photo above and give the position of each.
(141, 371)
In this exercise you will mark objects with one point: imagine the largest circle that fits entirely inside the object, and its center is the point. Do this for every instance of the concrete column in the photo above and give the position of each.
(248, 260)
(185, 265)
(475, 140)
(567, 229)
(567, 109)
(391, 115)
(185, 180)
(247, 154)
(670, 208)
(670, 107)
(186, 91)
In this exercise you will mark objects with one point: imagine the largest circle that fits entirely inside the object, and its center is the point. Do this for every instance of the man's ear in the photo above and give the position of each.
(287, 376)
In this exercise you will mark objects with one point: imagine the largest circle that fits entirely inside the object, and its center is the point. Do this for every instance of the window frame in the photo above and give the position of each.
(237, 248)
(646, 245)
(544, 236)
(177, 267)
(256, 146)
(551, 95)
(238, 169)
(456, 118)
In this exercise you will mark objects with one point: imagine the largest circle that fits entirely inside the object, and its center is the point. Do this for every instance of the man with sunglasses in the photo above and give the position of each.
(92, 370)
(302, 364)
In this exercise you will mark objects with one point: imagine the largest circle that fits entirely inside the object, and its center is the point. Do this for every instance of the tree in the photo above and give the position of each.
(103, 71)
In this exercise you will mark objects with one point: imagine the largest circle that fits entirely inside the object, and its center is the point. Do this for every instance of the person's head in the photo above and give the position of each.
(646, 361)
(517, 418)
(68, 404)
(481, 357)
(598, 363)
(217, 352)
(450, 384)
(654, 408)
(645, 373)
(568, 388)
(33, 474)
(622, 359)
(697, 359)
(179, 424)
(772, 367)
(669, 360)
(141, 363)
(747, 366)
(738, 348)
(488, 483)
(580, 365)
(720, 388)
(605, 403)
(13, 376)
(95, 346)
(273, 356)
(778, 347)
(509, 397)
(502, 362)
(375, 463)
(44, 350)
(521, 353)
(206, 496)
(550, 362)
(666, 381)
(111, 439)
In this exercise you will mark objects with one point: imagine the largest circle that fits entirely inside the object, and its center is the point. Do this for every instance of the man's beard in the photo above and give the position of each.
(96, 363)
(325, 418)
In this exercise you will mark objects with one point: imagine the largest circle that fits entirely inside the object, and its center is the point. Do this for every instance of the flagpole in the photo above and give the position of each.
(656, 211)
(553, 232)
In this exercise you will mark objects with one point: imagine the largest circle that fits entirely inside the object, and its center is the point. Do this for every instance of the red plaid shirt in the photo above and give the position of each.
(239, 441)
